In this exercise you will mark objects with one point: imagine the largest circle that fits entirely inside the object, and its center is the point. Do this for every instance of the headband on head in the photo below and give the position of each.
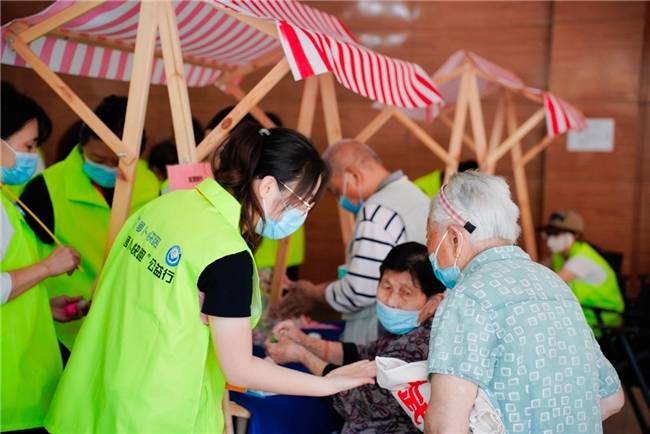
(451, 212)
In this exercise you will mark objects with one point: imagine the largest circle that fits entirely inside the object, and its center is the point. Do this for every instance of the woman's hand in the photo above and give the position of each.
(288, 329)
(351, 376)
(284, 351)
(61, 314)
(63, 259)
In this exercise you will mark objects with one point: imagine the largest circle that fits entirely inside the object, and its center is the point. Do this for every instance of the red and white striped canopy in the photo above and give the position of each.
(313, 42)
(560, 115)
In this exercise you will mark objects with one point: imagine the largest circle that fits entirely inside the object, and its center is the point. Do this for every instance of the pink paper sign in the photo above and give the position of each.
(186, 176)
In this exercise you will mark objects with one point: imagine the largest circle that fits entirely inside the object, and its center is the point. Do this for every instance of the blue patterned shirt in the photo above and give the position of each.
(515, 329)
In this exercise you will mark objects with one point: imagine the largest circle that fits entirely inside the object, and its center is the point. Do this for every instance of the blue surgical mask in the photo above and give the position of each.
(397, 321)
(289, 222)
(104, 176)
(23, 170)
(448, 276)
(345, 203)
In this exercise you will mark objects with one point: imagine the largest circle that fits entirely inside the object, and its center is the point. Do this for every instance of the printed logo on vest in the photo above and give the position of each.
(173, 256)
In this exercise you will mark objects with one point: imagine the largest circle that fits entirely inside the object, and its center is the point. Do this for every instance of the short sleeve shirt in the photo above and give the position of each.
(515, 329)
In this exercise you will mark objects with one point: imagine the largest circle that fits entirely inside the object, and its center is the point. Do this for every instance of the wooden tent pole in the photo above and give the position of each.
(256, 112)
(467, 140)
(497, 131)
(334, 134)
(460, 116)
(422, 135)
(179, 99)
(55, 21)
(71, 99)
(521, 182)
(136, 110)
(517, 135)
(216, 136)
(375, 124)
(535, 150)
(476, 118)
(305, 125)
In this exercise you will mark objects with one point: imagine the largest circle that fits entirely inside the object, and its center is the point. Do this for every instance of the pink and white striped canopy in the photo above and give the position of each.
(560, 115)
(313, 42)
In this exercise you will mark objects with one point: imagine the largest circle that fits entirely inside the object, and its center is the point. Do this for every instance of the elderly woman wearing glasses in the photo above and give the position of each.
(507, 325)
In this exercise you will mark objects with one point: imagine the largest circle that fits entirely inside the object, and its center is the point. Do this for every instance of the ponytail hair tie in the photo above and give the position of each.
(263, 132)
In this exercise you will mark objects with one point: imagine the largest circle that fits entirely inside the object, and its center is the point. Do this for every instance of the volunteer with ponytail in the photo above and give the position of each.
(144, 361)
(73, 199)
(30, 362)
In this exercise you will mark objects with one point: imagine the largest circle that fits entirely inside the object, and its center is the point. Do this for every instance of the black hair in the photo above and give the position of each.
(414, 258)
(164, 153)
(466, 165)
(221, 115)
(18, 109)
(112, 111)
(251, 153)
(69, 139)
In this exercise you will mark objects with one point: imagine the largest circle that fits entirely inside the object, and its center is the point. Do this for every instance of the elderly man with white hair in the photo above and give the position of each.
(508, 325)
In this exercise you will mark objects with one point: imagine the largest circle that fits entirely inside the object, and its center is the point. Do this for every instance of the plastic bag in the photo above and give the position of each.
(409, 385)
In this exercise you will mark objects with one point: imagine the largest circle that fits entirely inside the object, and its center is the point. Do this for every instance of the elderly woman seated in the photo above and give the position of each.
(407, 297)
(507, 325)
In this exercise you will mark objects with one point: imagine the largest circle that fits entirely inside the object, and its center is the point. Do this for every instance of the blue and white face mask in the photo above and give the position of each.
(24, 169)
(345, 203)
(449, 275)
(397, 321)
(104, 176)
(289, 222)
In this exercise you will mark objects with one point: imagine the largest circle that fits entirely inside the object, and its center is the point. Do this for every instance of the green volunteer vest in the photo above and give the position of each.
(81, 220)
(267, 251)
(30, 362)
(430, 183)
(606, 295)
(143, 361)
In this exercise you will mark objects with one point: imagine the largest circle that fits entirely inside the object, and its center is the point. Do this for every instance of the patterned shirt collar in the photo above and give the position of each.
(493, 254)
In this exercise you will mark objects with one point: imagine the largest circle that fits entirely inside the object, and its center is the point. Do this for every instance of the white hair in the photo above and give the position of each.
(483, 200)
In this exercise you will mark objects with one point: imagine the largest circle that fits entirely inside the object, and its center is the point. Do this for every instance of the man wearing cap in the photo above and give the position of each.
(590, 277)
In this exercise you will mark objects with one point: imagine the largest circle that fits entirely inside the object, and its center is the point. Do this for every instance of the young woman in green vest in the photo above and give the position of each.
(73, 198)
(30, 362)
(590, 277)
(144, 361)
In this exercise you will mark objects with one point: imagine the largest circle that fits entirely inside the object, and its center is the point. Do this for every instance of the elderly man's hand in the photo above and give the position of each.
(289, 330)
(284, 351)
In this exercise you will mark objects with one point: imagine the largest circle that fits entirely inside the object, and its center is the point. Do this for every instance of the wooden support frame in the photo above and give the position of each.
(422, 135)
(334, 134)
(213, 140)
(476, 118)
(135, 113)
(521, 181)
(255, 111)
(516, 136)
(305, 125)
(71, 99)
(176, 85)
(55, 21)
(460, 117)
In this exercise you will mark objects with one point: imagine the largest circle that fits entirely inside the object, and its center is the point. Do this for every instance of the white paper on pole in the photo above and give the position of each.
(598, 136)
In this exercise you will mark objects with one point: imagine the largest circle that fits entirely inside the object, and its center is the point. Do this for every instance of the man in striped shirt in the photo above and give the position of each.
(389, 210)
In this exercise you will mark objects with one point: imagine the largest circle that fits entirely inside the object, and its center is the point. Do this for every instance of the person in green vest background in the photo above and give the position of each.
(431, 182)
(73, 199)
(588, 274)
(30, 362)
(144, 361)
(267, 251)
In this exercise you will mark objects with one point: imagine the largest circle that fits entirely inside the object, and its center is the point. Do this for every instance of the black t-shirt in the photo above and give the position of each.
(37, 198)
(228, 286)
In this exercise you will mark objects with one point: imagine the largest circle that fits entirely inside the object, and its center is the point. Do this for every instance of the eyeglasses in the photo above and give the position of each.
(306, 205)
